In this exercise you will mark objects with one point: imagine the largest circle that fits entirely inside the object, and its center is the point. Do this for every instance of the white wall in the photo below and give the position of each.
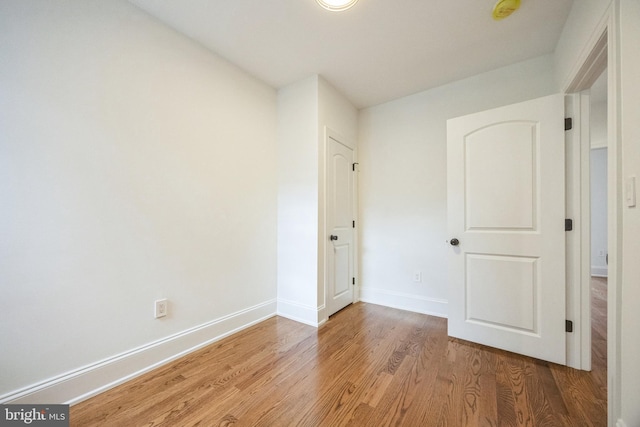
(629, 20)
(584, 17)
(337, 112)
(403, 203)
(134, 165)
(298, 178)
(598, 124)
(598, 171)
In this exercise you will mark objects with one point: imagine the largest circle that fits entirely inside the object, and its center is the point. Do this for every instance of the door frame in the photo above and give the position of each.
(578, 208)
(323, 247)
(602, 51)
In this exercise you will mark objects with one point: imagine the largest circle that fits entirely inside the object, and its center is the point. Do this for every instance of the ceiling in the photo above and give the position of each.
(377, 51)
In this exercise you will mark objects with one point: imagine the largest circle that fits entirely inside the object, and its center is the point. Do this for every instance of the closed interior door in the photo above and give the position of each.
(340, 217)
(506, 228)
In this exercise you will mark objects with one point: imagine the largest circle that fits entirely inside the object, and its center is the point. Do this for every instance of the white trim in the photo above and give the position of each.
(87, 381)
(584, 282)
(356, 233)
(599, 271)
(615, 224)
(302, 313)
(621, 423)
(593, 63)
(573, 205)
(578, 207)
(323, 233)
(410, 302)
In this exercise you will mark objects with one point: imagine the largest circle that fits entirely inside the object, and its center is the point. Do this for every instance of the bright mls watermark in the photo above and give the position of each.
(34, 415)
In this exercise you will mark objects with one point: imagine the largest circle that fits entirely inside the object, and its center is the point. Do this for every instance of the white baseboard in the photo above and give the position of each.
(409, 302)
(599, 271)
(299, 312)
(88, 381)
(621, 423)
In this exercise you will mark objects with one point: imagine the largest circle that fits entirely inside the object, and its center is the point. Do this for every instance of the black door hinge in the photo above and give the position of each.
(353, 281)
(353, 166)
(568, 327)
(568, 123)
(568, 224)
(354, 224)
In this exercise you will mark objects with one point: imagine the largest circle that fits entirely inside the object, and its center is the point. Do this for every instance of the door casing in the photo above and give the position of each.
(599, 52)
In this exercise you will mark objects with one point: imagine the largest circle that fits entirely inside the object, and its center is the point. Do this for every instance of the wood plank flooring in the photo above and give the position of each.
(367, 366)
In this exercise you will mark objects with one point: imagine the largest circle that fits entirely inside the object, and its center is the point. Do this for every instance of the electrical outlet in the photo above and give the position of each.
(162, 306)
(417, 276)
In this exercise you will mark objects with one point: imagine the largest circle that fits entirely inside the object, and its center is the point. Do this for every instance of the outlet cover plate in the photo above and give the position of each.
(161, 308)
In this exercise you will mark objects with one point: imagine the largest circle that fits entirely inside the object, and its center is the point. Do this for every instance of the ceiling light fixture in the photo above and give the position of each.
(337, 5)
(504, 8)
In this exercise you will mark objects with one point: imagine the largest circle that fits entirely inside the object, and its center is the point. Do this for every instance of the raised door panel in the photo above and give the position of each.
(501, 177)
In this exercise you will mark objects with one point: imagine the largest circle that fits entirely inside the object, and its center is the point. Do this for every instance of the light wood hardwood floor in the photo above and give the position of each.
(367, 366)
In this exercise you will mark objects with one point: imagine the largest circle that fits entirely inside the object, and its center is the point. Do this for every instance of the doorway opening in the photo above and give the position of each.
(601, 55)
(598, 160)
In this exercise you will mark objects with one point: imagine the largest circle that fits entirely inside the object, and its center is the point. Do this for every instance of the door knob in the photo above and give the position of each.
(333, 237)
(454, 242)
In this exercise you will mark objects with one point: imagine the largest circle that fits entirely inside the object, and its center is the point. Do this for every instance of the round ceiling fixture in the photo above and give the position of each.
(337, 5)
(504, 8)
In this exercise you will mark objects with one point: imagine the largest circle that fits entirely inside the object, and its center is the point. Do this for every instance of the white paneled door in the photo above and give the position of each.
(506, 205)
(340, 217)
